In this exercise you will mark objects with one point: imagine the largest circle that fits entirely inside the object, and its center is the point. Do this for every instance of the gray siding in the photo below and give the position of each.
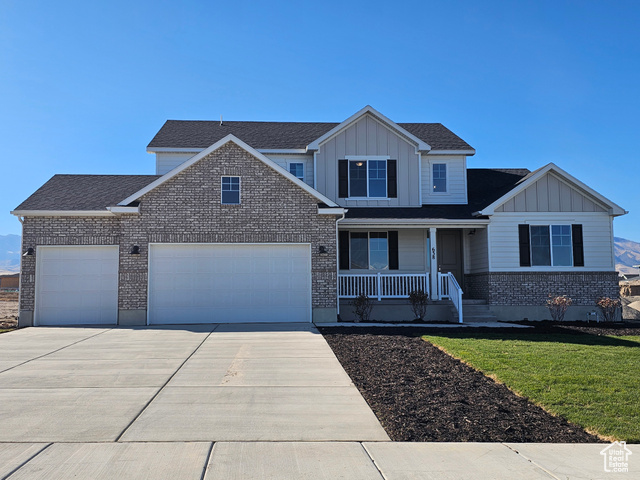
(368, 136)
(456, 180)
(412, 250)
(285, 159)
(476, 251)
(550, 194)
(165, 162)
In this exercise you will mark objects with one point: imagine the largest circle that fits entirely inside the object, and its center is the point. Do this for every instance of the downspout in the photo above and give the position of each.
(21, 220)
(338, 266)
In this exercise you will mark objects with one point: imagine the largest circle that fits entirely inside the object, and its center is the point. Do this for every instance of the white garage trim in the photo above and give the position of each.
(299, 264)
(101, 308)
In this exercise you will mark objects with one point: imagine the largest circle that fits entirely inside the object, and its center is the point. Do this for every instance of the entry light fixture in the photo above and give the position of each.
(322, 249)
(29, 253)
(472, 232)
(135, 250)
(359, 164)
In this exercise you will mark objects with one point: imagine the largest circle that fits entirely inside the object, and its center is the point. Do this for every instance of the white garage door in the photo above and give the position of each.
(240, 283)
(76, 285)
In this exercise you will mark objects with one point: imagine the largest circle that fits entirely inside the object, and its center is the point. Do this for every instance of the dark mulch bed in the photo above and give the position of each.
(421, 394)
(591, 328)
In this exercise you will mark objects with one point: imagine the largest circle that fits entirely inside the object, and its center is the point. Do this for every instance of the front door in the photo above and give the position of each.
(449, 244)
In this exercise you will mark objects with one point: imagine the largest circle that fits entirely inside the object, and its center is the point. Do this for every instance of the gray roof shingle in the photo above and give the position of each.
(85, 192)
(284, 135)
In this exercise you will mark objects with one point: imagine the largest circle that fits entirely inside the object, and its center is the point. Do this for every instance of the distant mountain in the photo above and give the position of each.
(627, 255)
(9, 253)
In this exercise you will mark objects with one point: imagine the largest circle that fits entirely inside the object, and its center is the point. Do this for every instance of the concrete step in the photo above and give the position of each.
(468, 301)
(479, 318)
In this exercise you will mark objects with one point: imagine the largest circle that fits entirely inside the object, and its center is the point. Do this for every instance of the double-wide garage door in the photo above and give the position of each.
(229, 283)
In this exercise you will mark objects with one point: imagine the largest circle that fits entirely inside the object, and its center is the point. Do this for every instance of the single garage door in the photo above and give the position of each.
(229, 283)
(76, 285)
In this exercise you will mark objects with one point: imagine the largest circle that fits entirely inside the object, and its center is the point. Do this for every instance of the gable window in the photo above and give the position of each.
(551, 245)
(368, 250)
(367, 178)
(297, 170)
(230, 190)
(440, 177)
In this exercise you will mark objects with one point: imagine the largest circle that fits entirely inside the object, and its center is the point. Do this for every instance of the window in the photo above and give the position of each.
(368, 178)
(369, 251)
(297, 170)
(358, 179)
(551, 245)
(440, 177)
(231, 190)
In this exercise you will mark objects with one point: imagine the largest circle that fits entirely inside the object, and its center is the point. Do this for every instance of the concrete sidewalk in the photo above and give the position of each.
(222, 401)
(306, 460)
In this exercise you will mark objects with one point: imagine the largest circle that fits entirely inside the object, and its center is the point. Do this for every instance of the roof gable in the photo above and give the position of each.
(229, 138)
(551, 189)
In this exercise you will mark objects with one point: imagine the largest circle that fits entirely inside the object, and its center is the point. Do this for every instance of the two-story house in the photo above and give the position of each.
(286, 222)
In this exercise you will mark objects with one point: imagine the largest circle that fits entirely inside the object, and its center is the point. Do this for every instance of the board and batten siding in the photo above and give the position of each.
(367, 136)
(550, 194)
(597, 234)
(167, 161)
(456, 179)
(284, 160)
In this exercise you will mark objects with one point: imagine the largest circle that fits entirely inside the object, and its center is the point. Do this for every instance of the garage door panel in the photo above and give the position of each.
(230, 283)
(77, 285)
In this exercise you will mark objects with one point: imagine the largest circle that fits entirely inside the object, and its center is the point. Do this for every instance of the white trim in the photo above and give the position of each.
(173, 150)
(291, 162)
(421, 145)
(367, 157)
(452, 152)
(533, 177)
(62, 213)
(446, 179)
(213, 148)
(119, 209)
(239, 189)
(415, 222)
(332, 211)
(283, 150)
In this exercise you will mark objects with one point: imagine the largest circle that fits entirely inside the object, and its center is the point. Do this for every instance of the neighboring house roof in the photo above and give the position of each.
(84, 192)
(199, 134)
(485, 185)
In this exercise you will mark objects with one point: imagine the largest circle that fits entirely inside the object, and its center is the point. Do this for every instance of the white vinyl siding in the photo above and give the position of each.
(456, 179)
(476, 251)
(229, 283)
(597, 235)
(284, 160)
(165, 162)
(550, 194)
(412, 250)
(76, 285)
(369, 137)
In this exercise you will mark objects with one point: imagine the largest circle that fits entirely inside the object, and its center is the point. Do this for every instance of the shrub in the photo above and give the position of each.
(609, 308)
(362, 307)
(558, 306)
(418, 299)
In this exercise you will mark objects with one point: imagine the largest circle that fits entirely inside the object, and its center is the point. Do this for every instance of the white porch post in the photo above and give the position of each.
(433, 259)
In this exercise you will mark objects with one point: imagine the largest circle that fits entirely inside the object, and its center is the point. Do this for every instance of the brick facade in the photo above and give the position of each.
(533, 288)
(187, 209)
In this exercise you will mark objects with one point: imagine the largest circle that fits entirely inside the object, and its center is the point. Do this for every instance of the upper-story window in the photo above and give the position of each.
(297, 170)
(367, 178)
(439, 177)
(230, 190)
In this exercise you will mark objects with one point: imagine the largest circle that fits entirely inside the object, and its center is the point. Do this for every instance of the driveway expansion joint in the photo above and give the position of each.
(26, 461)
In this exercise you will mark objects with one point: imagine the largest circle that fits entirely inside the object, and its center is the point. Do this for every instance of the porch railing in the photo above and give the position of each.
(381, 285)
(449, 288)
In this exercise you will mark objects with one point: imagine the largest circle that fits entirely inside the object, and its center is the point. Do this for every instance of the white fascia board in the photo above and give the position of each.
(283, 150)
(452, 152)
(614, 209)
(120, 209)
(249, 149)
(421, 145)
(61, 213)
(173, 150)
(332, 211)
(414, 222)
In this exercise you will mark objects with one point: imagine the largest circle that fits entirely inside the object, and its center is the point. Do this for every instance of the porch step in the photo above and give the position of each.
(475, 311)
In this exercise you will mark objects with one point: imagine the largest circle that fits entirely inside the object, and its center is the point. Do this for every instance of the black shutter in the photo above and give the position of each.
(392, 179)
(343, 249)
(525, 250)
(393, 249)
(343, 178)
(578, 247)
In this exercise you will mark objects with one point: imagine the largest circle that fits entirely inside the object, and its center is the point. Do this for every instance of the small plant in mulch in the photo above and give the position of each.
(418, 299)
(609, 308)
(558, 306)
(362, 307)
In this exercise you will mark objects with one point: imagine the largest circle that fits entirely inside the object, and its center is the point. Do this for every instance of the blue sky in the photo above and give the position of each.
(84, 86)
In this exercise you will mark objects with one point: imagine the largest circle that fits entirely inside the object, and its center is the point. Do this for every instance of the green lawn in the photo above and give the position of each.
(593, 381)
